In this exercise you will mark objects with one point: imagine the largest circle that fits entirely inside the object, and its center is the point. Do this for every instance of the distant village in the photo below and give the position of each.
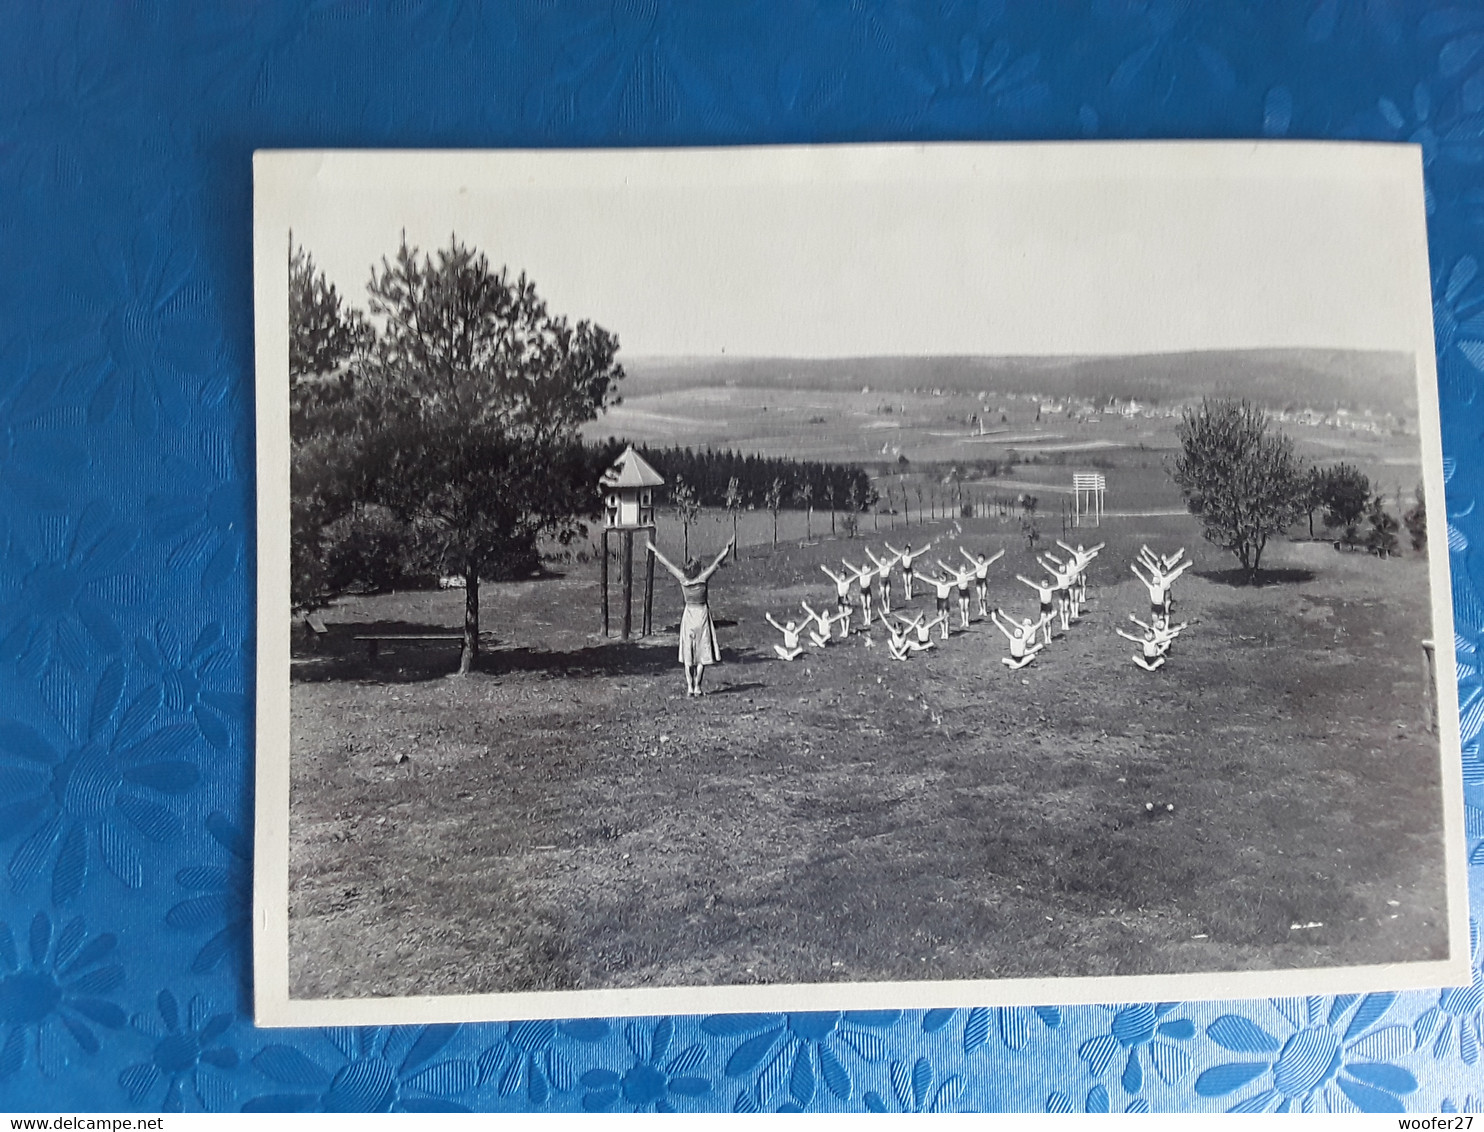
(1090, 411)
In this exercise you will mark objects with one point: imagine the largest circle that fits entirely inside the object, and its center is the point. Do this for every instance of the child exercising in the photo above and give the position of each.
(944, 588)
(962, 578)
(1047, 595)
(863, 575)
(981, 566)
(1152, 649)
(823, 624)
(883, 581)
(906, 557)
(842, 599)
(1019, 634)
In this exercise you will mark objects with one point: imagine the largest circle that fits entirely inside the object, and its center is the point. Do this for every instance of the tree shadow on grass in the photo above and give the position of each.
(732, 689)
(336, 656)
(615, 658)
(1248, 579)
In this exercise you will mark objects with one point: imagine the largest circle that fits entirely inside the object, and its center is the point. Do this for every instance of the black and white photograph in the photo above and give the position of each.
(861, 576)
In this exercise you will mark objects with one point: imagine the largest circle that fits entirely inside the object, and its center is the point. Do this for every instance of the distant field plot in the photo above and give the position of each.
(566, 818)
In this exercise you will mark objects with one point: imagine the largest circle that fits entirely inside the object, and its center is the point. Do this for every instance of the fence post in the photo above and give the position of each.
(1431, 693)
(604, 576)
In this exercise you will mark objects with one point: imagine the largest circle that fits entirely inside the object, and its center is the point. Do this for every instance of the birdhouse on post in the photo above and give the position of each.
(628, 489)
(628, 492)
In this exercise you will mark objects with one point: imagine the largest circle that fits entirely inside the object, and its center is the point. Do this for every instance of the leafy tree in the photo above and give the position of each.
(1345, 495)
(1381, 539)
(471, 408)
(1030, 529)
(773, 501)
(853, 504)
(1416, 521)
(1313, 495)
(806, 497)
(687, 510)
(829, 494)
(1239, 475)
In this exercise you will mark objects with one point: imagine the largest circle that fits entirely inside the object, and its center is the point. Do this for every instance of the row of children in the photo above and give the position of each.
(1158, 575)
(1061, 596)
(876, 577)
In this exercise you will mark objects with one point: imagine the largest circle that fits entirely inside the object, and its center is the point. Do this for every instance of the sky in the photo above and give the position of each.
(907, 250)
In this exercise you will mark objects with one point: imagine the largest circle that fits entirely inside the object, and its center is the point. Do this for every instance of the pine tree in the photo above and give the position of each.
(471, 412)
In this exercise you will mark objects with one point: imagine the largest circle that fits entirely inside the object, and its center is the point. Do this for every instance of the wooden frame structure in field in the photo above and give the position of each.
(1092, 485)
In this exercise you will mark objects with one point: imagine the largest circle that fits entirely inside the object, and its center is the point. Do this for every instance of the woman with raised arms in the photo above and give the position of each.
(698, 646)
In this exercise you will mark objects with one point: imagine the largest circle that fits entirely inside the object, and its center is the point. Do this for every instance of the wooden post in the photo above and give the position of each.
(604, 574)
(648, 593)
(1431, 706)
(628, 583)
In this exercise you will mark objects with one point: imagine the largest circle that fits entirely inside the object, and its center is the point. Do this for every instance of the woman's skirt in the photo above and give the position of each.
(698, 637)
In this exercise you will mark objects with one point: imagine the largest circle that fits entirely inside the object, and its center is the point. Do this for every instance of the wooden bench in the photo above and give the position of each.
(315, 630)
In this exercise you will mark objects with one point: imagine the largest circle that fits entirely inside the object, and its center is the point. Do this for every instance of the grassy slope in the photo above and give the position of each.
(847, 817)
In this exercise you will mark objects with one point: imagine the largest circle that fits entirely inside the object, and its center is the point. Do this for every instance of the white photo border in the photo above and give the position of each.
(283, 180)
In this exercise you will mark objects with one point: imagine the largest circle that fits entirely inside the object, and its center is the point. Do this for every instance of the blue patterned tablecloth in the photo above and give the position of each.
(126, 496)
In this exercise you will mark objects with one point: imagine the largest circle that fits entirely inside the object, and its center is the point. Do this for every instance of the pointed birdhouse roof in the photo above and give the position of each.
(630, 470)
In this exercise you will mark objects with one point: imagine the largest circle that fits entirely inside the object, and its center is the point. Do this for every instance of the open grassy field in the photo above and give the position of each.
(566, 818)
(934, 428)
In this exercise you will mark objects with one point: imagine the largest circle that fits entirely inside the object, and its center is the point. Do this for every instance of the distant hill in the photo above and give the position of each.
(1323, 379)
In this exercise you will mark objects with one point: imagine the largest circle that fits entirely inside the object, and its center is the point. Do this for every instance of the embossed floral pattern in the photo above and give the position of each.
(1135, 1032)
(221, 900)
(188, 1056)
(63, 591)
(1332, 1059)
(1455, 1026)
(915, 1089)
(376, 1070)
(55, 994)
(190, 680)
(1014, 1025)
(1096, 1100)
(530, 1058)
(95, 795)
(655, 1081)
(794, 1053)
